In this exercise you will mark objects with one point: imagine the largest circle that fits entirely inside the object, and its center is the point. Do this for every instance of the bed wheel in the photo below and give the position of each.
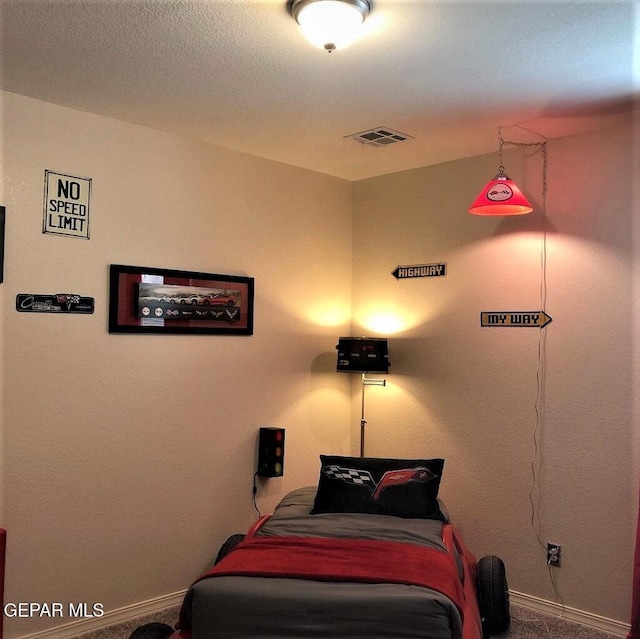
(228, 546)
(152, 631)
(493, 595)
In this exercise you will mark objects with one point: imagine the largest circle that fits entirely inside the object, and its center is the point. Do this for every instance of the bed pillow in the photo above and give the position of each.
(399, 487)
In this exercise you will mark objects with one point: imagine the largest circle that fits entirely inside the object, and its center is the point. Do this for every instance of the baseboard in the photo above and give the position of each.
(120, 615)
(604, 624)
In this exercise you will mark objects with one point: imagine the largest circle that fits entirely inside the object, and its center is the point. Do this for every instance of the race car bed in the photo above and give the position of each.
(368, 554)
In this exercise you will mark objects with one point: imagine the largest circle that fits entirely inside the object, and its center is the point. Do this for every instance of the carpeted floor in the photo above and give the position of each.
(123, 630)
(528, 624)
(525, 624)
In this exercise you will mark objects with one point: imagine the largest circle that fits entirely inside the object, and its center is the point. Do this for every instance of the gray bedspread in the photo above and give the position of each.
(276, 608)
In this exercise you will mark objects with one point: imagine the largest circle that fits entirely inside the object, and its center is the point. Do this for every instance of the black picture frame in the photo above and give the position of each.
(165, 301)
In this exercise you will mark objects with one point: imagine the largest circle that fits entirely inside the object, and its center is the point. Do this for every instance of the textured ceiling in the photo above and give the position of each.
(238, 73)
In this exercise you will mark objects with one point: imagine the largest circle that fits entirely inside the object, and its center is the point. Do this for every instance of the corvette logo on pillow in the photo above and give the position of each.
(358, 477)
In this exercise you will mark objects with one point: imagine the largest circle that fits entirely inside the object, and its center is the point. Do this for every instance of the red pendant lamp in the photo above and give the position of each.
(501, 196)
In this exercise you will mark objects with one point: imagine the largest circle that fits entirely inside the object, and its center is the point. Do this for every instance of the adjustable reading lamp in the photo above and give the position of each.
(363, 355)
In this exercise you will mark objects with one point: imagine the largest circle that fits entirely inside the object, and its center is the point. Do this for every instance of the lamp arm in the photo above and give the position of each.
(363, 421)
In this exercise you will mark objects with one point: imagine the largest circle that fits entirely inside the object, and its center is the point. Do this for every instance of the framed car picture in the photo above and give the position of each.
(157, 300)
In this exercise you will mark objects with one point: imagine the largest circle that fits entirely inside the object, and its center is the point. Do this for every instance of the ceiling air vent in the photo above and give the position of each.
(380, 136)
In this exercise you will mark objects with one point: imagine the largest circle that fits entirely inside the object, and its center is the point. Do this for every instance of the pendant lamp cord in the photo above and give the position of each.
(534, 493)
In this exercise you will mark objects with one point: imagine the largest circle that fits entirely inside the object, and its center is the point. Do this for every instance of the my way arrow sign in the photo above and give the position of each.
(420, 270)
(520, 319)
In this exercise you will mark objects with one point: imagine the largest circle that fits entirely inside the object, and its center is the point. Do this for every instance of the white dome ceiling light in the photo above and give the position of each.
(330, 24)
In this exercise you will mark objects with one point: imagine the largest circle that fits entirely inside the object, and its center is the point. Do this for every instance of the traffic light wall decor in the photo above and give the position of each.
(271, 452)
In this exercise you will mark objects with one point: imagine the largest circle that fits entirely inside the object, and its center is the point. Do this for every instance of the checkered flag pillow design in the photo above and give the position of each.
(350, 476)
(359, 477)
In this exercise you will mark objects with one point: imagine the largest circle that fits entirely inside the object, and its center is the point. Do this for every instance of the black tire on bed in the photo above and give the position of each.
(228, 546)
(152, 631)
(493, 595)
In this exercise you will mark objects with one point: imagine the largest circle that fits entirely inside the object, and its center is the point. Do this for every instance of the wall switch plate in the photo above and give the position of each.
(554, 552)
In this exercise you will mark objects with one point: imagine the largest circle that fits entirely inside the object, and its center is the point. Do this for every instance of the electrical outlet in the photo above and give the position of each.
(554, 552)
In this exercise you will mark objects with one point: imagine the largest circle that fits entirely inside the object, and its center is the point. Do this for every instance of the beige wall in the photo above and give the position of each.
(469, 393)
(128, 459)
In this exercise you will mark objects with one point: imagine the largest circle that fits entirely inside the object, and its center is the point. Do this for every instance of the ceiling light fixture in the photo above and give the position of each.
(330, 24)
(501, 196)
